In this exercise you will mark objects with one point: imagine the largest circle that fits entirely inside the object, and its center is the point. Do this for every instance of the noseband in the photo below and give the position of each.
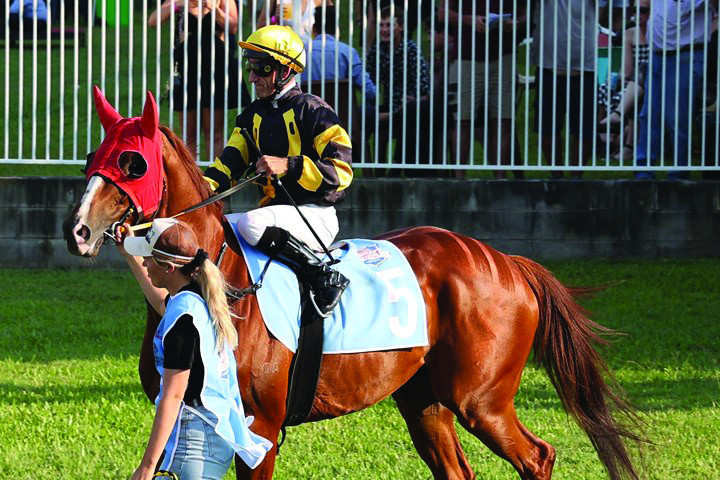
(109, 233)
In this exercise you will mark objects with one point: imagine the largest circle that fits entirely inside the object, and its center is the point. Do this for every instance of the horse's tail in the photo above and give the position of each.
(564, 344)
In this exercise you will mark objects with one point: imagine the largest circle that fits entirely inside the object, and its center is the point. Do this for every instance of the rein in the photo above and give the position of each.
(204, 203)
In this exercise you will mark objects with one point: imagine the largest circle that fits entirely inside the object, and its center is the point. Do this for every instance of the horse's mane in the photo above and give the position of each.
(193, 171)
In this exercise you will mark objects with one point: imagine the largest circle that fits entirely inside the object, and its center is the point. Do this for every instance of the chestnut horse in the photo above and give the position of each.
(485, 310)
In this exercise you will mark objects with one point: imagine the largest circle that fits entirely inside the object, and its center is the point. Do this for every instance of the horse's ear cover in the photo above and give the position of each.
(107, 114)
(139, 135)
(150, 117)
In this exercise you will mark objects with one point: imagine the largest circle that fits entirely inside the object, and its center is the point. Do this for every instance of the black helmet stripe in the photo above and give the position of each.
(292, 59)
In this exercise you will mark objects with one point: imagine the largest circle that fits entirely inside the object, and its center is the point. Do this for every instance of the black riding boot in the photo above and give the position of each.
(327, 285)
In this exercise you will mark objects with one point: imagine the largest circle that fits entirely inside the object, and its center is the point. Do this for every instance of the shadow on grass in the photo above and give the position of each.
(682, 394)
(647, 396)
(55, 315)
(69, 394)
(54, 340)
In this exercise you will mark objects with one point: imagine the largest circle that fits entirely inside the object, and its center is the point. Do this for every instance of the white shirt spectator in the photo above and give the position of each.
(676, 24)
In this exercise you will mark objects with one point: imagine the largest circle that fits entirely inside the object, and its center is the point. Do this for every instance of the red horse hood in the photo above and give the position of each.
(136, 134)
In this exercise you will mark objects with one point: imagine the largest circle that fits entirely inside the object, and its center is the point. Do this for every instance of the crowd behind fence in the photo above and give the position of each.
(425, 88)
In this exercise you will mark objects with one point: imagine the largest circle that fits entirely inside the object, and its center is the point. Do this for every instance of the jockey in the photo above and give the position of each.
(303, 145)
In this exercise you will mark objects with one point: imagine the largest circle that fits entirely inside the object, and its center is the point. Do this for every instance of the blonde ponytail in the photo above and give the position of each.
(213, 286)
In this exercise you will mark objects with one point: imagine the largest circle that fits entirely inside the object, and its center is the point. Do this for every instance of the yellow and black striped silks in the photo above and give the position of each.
(303, 128)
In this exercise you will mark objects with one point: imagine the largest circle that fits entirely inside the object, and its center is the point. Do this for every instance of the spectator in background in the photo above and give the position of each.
(679, 31)
(399, 97)
(636, 51)
(324, 48)
(200, 21)
(322, 52)
(280, 12)
(28, 14)
(493, 34)
(444, 51)
(612, 15)
(564, 48)
(425, 12)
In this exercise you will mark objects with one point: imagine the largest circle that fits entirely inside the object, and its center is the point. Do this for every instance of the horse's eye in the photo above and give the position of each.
(137, 169)
(133, 165)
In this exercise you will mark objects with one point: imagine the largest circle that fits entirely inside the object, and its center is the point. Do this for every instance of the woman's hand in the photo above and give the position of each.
(175, 383)
(121, 233)
(143, 473)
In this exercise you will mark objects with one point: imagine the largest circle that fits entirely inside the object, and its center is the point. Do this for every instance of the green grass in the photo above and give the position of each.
(72, 406)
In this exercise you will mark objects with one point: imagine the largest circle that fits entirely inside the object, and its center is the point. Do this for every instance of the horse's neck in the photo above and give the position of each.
(181, 193)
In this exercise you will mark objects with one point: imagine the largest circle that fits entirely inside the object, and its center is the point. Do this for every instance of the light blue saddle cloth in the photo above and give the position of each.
(382, 309)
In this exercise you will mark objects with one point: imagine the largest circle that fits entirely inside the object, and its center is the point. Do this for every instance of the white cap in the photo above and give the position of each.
(175, 244)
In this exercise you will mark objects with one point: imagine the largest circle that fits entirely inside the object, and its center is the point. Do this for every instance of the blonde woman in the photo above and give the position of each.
(193, 347)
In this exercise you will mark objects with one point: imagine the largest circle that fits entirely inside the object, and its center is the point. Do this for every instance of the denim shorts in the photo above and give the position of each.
(201, 454)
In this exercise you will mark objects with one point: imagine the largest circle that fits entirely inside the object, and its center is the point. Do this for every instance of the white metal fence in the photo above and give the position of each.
(49, 69)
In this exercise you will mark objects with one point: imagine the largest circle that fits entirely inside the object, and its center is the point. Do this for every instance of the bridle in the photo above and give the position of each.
(109, 233)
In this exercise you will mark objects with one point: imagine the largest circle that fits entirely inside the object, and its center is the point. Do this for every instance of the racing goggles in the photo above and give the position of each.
(261, 68)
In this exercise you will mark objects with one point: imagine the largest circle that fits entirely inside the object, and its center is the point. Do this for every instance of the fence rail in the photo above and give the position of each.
(463, 89)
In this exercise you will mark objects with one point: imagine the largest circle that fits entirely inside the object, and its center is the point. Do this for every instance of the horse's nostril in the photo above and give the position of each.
(83, 232)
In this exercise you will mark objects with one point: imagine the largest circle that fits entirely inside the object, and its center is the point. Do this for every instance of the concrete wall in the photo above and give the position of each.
(541, 219)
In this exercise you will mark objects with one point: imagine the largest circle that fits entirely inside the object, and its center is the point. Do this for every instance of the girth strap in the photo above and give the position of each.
(305, 366)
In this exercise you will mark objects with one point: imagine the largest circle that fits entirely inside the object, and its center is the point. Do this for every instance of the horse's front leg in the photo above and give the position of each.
(263, 376)
(265, 470)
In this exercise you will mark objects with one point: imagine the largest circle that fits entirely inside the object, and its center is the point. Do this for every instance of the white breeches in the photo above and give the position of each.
(252, 224)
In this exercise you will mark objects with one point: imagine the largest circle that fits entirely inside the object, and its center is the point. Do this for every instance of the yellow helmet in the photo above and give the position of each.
(280, 42)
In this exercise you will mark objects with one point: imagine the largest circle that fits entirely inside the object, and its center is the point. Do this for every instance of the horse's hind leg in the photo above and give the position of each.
(502, 432)
(432, 429)
(486, 410)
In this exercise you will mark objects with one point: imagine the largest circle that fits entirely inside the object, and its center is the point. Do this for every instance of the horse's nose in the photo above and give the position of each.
(75, 233)
(81, 233)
